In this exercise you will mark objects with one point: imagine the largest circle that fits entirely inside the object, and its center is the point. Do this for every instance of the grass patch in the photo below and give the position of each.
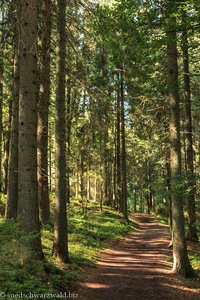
(195, 260)
(86, 235)
(162, 219)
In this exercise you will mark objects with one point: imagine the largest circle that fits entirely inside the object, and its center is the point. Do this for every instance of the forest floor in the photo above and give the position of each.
(137, 267)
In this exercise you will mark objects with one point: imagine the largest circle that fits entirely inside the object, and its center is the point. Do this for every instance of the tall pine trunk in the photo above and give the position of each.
(69, 121)
(181, 263)
(2, 46)
(191, 182)
(118, 150)
(43, 108)
(12, 193)
(28, 211)
(7, 150)
(123, 152)
(60, 242)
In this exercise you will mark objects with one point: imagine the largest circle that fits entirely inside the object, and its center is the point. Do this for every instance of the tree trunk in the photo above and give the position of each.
(7, 151)
(191, 182)
(77, 185)
(123, 154)
(149, 202)
(60, 241)
(28, 211)
(181, 263)
(115, 198)
(1, 94)
(50, 159)
(12, 194)
(118, 151)
(95, 189)
(43, 109)
(88, 183)
(135, 200)
(69, 119)
(141, 200)
(105, 164)
(168, 185)
(82, 190)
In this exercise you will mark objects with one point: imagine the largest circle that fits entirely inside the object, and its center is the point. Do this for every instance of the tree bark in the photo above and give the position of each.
(191, 182)
(7, 151)
(181, 262)
(95, 189)
(69, 120)
(28, 211)
(135, 200)
(1, 95)
(60, 241)
(105, 164)
(118, 150)
(123, 154)
(50, 160)
(82, 190)
(43, 109)
(12, 193)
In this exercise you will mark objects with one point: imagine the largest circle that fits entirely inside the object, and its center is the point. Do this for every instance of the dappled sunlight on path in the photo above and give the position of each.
(136, 268)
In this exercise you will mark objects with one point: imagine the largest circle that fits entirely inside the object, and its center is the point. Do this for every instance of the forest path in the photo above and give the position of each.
(136, 268)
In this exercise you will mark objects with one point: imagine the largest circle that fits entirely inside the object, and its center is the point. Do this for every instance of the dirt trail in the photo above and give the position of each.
(136, 269)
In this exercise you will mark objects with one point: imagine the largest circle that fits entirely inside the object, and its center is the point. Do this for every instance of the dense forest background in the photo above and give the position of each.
(99, 108)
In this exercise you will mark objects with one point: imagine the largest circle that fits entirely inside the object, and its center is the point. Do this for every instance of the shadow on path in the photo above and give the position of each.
(136, 268)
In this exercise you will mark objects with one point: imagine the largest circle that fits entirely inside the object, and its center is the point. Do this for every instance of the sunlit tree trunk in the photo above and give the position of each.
(115, 198)
(118, 150)
(181, 262)
(123, 151)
